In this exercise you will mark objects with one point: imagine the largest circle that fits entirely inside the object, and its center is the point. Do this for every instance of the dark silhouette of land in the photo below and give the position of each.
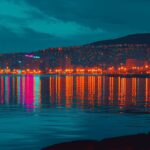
(133, 142)
(129, 39)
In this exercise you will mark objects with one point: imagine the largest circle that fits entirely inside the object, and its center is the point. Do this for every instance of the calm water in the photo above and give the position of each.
(37, 111)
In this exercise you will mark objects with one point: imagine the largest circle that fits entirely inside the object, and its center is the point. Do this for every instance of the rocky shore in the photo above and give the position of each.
(131, 142)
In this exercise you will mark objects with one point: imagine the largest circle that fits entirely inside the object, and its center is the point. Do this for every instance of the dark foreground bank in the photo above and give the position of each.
(133, 142)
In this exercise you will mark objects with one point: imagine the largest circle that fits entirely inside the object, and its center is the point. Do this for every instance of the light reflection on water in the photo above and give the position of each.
(37, 111)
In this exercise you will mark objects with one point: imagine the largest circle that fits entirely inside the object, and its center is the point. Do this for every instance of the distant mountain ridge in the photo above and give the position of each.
(143, 38)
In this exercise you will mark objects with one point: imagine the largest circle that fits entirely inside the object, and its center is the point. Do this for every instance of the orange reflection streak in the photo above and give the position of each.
(103, 88)
(58, 90)
(99, 96)
(121, 91)
(111, 89)
(80, 88)
(91, 89)
(52, 89)
(124, 88)
(140, 90)
(147, 91)
(134, 86)
(69, 91)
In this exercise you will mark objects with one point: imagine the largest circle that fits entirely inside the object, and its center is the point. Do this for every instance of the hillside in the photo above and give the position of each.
(102, 53)
(130, 39)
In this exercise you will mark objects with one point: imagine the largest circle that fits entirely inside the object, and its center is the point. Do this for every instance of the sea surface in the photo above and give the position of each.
(38, 111)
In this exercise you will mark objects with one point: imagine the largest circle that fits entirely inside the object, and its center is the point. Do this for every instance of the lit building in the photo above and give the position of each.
(135, 63)
(68, 62)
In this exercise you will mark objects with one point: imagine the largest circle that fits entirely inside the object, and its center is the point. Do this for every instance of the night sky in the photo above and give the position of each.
(27, 25)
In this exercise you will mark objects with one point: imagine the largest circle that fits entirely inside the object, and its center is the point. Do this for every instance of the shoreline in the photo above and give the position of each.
(130, 142)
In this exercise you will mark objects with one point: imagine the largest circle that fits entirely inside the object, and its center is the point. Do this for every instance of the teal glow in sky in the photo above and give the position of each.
(27, 25)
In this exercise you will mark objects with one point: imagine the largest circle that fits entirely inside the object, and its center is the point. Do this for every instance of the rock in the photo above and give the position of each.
(133, 142)
(76, 145)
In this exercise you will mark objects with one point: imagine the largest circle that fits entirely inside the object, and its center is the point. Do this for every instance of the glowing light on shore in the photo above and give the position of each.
(121, 70)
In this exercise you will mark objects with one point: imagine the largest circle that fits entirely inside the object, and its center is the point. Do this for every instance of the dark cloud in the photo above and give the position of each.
(35, 24)
(95, 13)
(11, 42)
